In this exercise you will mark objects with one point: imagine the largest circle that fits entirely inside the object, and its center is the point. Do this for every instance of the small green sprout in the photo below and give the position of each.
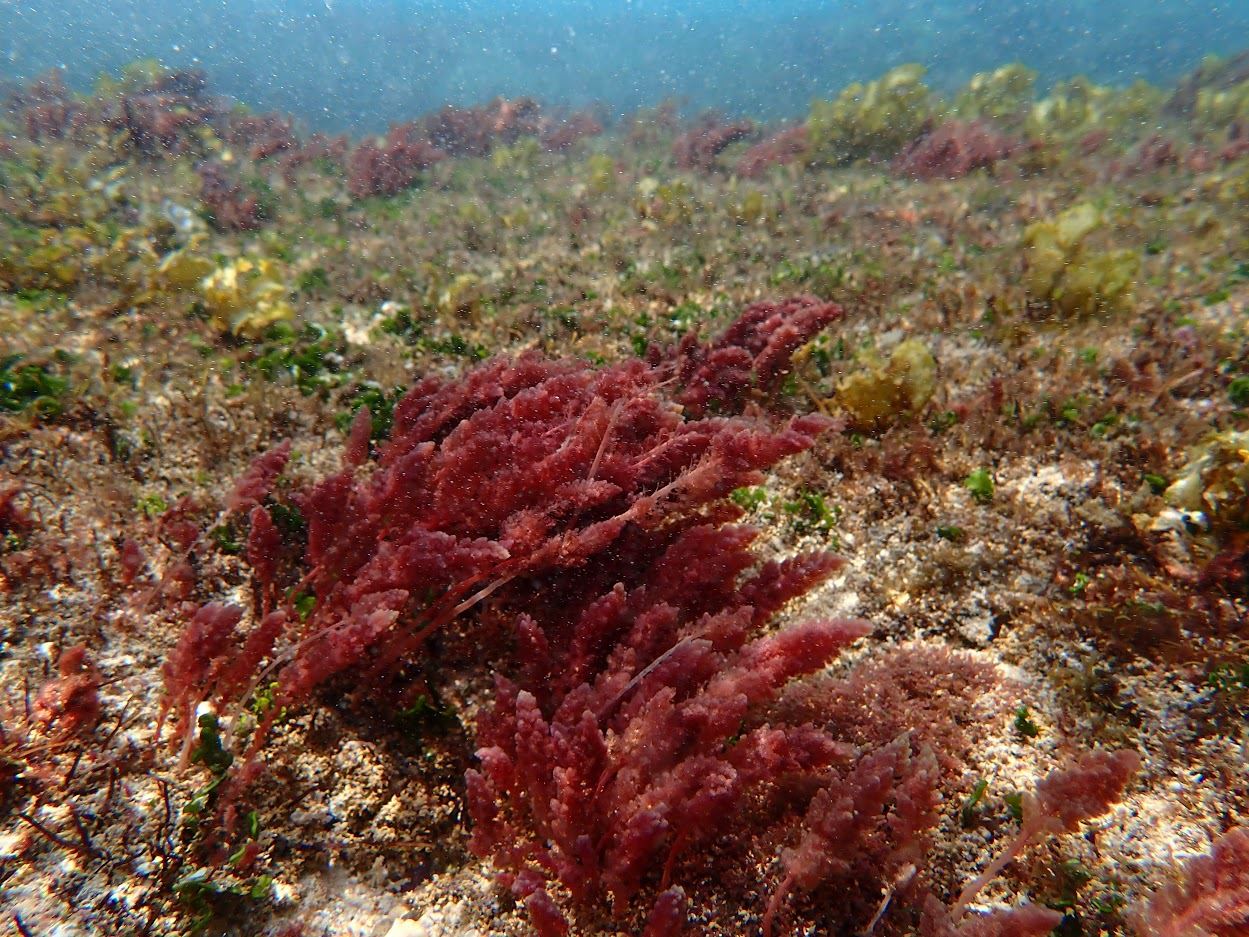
(1079, 583)
(199, 892)
(1112, 903)
(980, 484)
(1069, 412)
(381, 405)
(226, 538)
(1014, 803)
(951, 532)
(967, 814)
(749, 499)
(1102, 427)
(263, 699)
(288, 518)
(209, 751)
(314, 280)
(942, 422)
(455, 346)
(1024, 725)
(305, 604)
(151, 505)
(1229, 678)
(1238, 391)
(30, 386)
(424, 716)
(1157, 484)
(810, 513)
(1072, 876)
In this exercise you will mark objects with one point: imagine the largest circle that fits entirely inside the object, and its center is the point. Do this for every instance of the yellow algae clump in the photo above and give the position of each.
(600, 173)
(870, 120)
(1003, 95)
(1078, 106)
(519, 159)
(246, 297)
(1071, 106)
(885, 390)
(1222, 107)
(463, 296)
(750, 207)
(1215, 483)
(182, 270)
(1067, 276)
(671, 203)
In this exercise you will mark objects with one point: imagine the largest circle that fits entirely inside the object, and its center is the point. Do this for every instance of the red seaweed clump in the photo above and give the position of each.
(523, 468)
(45, 108)
(954, 149)
(1153, 154)
(318, 148)
(699, 146)
(229, 206)
(474, 131)
(263, 135)
(1209, 899)
(782, 148)
(162, 119)
(753, 354)
(69, 704)
(561, 135)
(392, 166)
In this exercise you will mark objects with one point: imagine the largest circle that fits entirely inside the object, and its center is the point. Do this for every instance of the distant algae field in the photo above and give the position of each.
(544, 522)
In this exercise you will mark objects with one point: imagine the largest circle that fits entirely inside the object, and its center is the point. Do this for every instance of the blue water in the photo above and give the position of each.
(357, 64)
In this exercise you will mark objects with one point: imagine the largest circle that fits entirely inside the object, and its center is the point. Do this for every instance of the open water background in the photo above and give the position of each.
(358, 64)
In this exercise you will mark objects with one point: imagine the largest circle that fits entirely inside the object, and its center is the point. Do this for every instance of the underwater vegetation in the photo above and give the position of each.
(658, 525)
(869, 120)
(1068, 277)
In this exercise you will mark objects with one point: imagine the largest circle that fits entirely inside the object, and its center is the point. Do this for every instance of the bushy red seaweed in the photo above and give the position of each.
(229, 206)
(699, 146)
(561, 135)
(523, 467)
(393, 165)
(474, 131)
(1210, 900)
(612, 757)
(954, 149)
(753, 354)
(782, 148)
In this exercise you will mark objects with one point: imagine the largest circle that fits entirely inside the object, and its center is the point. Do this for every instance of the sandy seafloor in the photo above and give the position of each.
(1081, 418)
